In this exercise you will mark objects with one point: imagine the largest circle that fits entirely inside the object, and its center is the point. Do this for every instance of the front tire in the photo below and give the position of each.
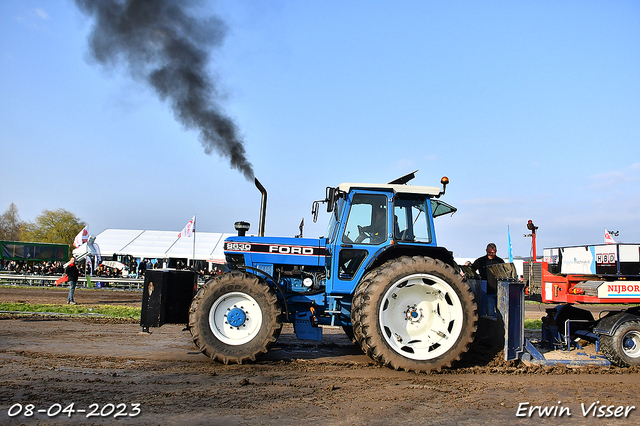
(623, 348)
(235, 318)
(414, 313)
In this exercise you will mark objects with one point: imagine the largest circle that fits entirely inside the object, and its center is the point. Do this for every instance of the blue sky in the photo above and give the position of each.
(531, 108)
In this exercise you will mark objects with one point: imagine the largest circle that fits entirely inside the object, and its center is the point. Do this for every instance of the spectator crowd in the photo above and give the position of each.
(32, 268)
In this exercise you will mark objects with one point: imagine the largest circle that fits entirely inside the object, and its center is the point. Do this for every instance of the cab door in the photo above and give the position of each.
(364, 230)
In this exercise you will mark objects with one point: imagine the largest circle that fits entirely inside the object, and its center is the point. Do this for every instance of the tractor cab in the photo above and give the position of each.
(371, 223)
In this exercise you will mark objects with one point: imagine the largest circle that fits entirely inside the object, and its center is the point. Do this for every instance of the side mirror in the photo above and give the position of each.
(314, 211)
(330, 198)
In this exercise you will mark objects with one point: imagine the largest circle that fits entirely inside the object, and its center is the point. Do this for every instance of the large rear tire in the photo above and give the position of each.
(235, 318)
(414, 313)
(623, 348)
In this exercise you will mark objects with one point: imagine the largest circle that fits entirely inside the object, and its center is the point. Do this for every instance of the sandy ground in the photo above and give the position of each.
(84, 296)
(112, 370)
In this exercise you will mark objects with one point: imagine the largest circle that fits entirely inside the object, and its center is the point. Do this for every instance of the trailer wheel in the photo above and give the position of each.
(414, 313)
(623, 348)
(235, 318)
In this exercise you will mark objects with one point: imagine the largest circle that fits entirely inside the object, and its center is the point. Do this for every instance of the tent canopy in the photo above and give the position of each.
(157, 244)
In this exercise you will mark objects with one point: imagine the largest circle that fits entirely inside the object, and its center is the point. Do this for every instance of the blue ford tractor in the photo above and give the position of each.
(378, 273)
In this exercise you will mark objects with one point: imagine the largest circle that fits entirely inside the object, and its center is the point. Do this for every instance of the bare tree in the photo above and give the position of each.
(10, 224)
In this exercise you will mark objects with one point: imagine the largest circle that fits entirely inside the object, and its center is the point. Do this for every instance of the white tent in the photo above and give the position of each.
(145, 244)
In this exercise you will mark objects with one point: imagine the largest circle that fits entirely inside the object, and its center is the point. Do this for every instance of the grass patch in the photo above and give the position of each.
(533, 324)
(105, 310)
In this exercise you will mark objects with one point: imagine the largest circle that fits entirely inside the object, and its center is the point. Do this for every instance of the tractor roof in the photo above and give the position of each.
(398, 189)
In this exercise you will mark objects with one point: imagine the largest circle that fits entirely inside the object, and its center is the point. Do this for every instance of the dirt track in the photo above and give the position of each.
(47, 361)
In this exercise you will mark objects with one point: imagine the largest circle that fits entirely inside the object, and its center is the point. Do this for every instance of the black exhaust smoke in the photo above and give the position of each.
(162, 45)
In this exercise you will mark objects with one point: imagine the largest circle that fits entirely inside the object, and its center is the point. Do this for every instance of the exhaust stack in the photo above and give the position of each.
(263, 207)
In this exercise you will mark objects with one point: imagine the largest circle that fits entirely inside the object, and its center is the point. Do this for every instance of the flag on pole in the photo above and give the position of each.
(81, 238)
(510, 252)
(608, 239)
(189, 228)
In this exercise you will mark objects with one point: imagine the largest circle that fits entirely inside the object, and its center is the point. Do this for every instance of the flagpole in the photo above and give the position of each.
(510, 251)
(194, 243)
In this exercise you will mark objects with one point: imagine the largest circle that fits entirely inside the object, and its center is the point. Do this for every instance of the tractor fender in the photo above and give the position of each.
(397, 250)
(274, 283)
(609, 324)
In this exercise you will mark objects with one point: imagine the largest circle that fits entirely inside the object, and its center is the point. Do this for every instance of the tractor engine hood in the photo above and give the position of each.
(276, 250)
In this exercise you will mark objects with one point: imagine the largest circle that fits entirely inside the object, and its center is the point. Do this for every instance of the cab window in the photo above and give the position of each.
(411, 221)
(367, 221)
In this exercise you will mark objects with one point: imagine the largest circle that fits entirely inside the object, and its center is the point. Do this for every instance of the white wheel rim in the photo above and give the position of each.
(242, 333)
(421, 317)
(631, 344)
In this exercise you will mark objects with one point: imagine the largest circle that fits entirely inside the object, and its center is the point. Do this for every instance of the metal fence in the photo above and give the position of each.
(50, 281)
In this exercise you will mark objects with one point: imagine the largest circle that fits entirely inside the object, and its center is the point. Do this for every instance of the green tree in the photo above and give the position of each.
(10, 224)
(54, 226)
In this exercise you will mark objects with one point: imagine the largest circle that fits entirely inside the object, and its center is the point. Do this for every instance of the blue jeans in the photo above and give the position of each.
(72, 288)
(492, 300)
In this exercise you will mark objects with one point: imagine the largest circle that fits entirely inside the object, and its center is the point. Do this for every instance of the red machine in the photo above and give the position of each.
(593, 274)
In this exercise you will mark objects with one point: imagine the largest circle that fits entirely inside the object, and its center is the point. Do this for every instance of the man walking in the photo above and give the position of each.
(72, 274)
